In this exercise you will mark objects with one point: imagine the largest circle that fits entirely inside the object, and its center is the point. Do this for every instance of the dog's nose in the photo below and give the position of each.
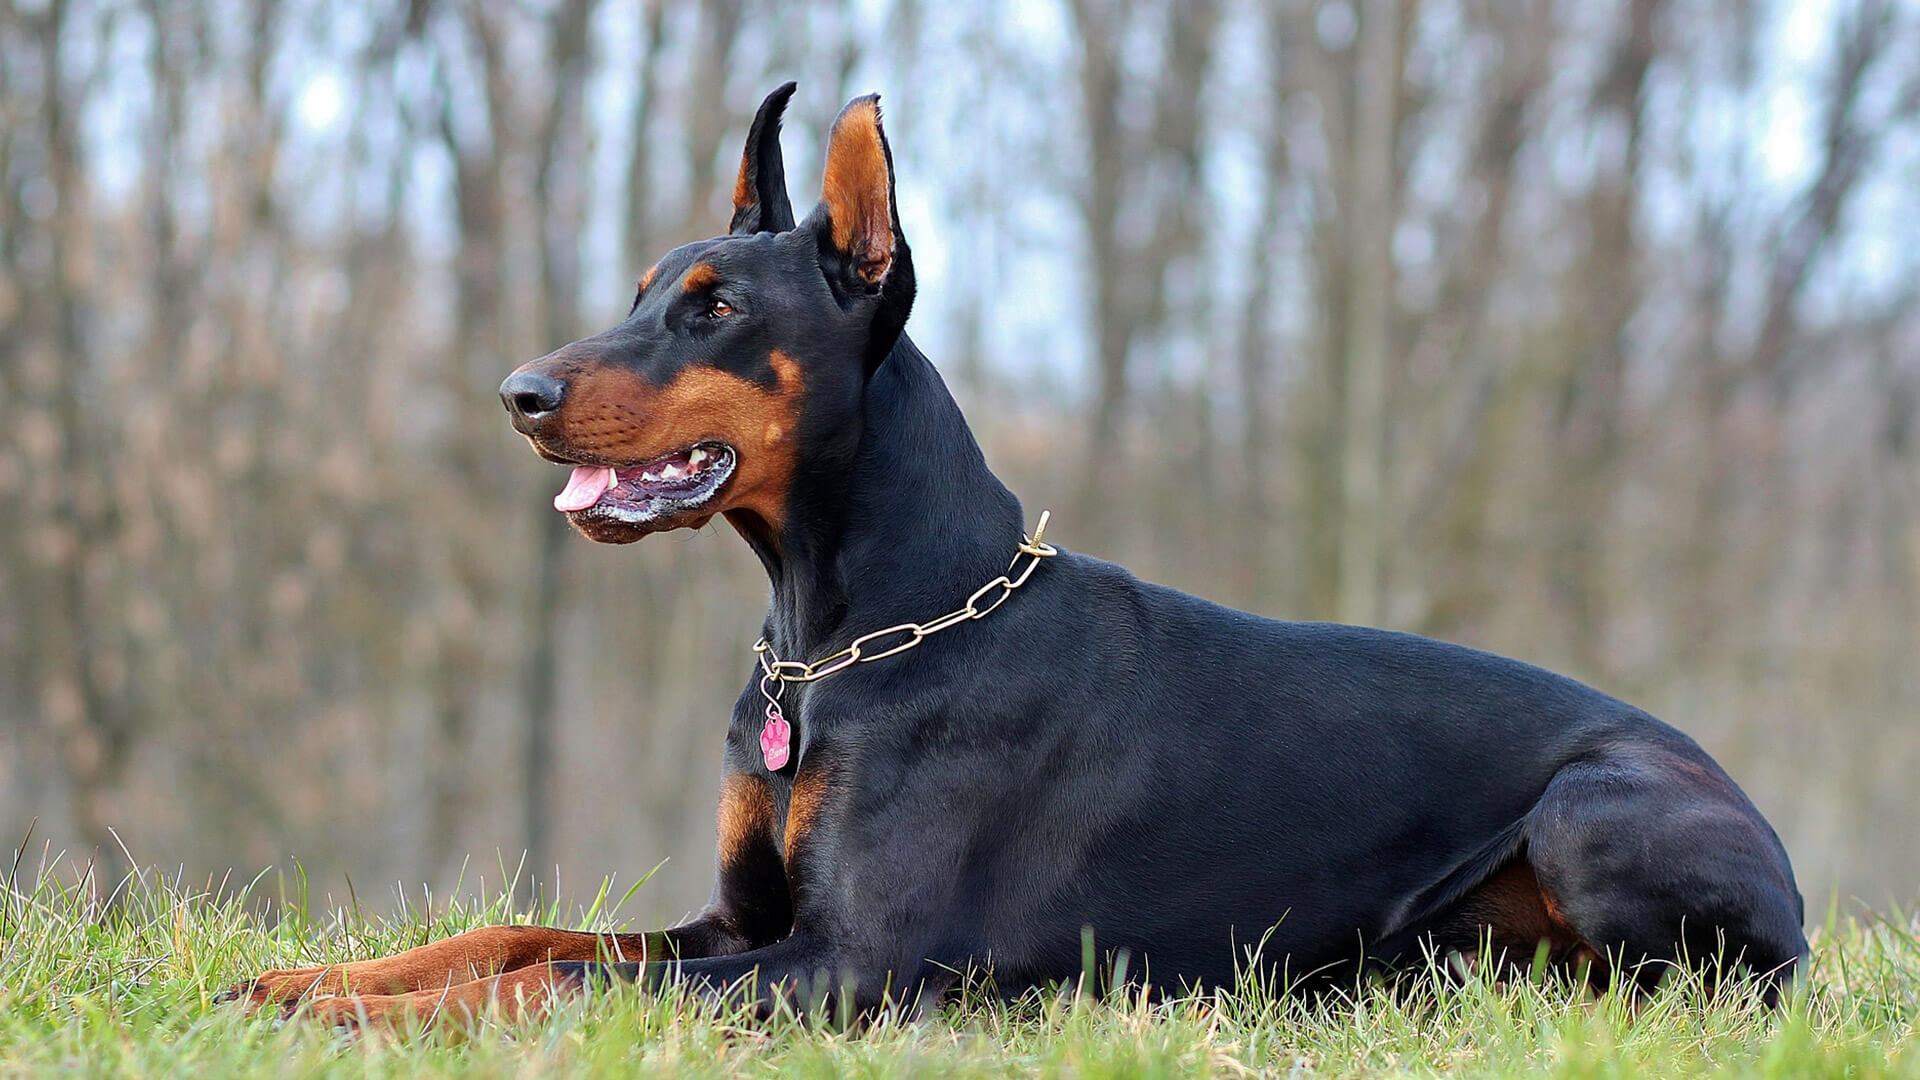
(531, 397)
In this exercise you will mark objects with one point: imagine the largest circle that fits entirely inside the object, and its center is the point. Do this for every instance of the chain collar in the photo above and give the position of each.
(776, 673)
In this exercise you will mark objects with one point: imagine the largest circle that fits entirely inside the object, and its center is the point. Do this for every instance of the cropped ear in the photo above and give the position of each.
(862, 223)
(760, 193)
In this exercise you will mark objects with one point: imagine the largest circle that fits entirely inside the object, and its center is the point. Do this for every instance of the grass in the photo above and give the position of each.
(129, 991)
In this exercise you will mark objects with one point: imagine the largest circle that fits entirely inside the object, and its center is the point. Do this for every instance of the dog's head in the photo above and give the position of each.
(742, 362)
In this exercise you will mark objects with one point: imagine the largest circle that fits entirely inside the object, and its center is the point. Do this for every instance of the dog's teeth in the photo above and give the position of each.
(699, 455)
(650, 476)
(672, 472)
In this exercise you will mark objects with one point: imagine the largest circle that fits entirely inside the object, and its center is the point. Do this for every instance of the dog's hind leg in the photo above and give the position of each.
(1650, 852)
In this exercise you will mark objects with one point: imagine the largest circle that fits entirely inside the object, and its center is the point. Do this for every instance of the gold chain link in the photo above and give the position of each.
(977, 607)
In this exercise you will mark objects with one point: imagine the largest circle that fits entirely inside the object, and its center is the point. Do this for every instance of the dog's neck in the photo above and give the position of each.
(905, 534)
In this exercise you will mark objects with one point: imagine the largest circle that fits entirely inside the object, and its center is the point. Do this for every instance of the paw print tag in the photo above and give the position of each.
(775, 739)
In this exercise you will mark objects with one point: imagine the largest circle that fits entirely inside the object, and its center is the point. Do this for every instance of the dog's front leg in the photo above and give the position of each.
(750, 907)
(805, 971)
(479, 955)
(802, 972)
(522, 994)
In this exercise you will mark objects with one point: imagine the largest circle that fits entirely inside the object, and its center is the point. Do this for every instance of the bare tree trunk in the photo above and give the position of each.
(1592, 392)
(82, 662)
(1768, 371)
(562, 212)
(1128, 274)
(1316, 413)
(1254, 574)
(1369, 315)
(1100, 210)
(638, 234)
(707, 119)
(479, 354)
(1452, 497)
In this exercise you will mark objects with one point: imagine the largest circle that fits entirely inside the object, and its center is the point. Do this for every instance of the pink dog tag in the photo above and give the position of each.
(775, 739)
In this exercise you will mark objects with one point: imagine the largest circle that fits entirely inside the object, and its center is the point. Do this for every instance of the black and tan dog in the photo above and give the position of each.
(1083, 754)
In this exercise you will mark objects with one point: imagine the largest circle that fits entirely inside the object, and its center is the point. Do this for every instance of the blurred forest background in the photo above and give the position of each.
(1580, 330)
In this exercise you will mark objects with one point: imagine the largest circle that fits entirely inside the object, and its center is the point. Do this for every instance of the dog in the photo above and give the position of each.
(963, 750)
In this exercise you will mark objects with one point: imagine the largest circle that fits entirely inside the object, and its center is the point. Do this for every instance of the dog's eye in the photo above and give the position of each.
(719, 309)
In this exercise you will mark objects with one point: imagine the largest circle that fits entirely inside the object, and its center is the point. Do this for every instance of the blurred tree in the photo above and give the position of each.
(1139, 198)
(1582, 332)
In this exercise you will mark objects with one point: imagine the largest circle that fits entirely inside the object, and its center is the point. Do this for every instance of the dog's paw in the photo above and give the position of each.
(283, 989)
(346, 1015)
(385, 1014)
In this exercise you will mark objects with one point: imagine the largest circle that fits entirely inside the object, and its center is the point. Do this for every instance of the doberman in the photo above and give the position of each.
(1203, 791)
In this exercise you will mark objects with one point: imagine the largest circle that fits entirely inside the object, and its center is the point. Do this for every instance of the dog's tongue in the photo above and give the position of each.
(584, 487)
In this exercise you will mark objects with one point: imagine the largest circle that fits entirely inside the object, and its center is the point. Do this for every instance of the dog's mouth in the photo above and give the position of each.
(646, 493)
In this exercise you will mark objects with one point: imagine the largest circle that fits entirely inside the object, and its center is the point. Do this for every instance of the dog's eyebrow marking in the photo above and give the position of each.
(646, 279)
(702, 276)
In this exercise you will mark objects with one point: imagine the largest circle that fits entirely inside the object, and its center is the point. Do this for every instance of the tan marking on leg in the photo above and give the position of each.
(525, 994)
(487, 951)
(1516, 913)
(745, 817)
(803, 807)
